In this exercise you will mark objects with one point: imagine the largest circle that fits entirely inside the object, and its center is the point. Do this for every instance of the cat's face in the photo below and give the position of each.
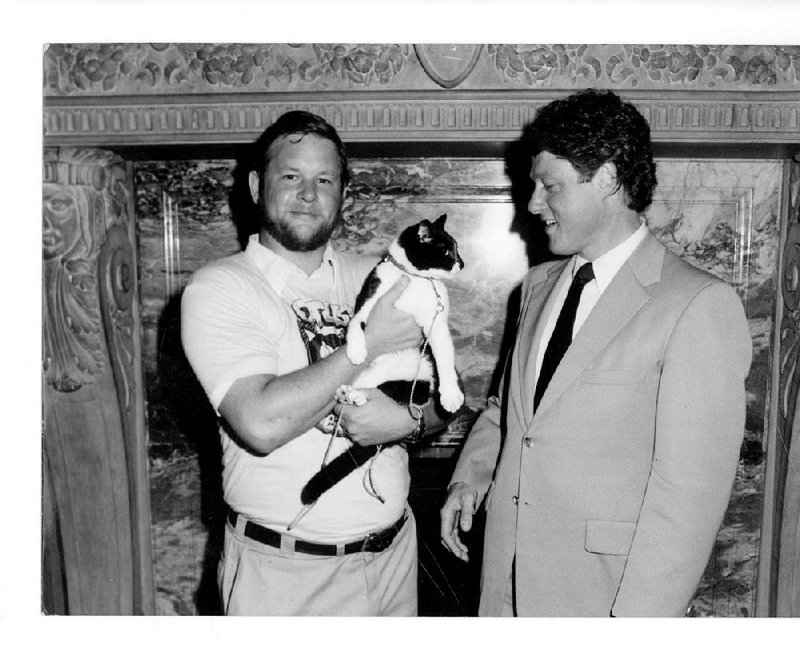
(430, 249)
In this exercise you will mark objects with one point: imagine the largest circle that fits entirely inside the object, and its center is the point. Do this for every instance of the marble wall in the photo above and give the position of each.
(720, 215)
(723, 217)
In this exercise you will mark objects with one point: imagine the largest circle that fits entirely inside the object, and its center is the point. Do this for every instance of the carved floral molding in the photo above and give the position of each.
(90, 69)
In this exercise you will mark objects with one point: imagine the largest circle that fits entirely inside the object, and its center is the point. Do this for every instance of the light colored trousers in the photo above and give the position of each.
(259, 580)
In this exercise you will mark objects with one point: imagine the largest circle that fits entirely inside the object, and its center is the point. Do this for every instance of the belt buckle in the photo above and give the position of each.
(377, 542)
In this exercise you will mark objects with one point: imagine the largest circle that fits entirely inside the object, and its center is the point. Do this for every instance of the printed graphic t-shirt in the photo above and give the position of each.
(256, 313)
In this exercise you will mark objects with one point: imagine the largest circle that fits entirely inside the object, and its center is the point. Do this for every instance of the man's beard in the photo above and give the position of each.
(285, 233)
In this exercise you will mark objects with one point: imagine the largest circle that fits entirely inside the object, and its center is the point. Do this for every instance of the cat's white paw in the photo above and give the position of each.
(451, 398)
(342, 392)
(356, 348)
(350, 396)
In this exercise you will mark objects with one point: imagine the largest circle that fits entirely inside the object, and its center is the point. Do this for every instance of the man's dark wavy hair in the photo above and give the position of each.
(592, 127)
(297, 122)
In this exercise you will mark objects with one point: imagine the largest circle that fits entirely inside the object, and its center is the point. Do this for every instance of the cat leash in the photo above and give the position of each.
(364, 453)
(415, 411)
(308, 506)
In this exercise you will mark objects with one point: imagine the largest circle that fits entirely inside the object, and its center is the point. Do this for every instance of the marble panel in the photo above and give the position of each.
(183, 221)
(720, 215)
(723, 217)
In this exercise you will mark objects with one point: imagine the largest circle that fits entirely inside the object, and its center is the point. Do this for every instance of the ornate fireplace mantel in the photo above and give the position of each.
(101, 98)
(173, 94)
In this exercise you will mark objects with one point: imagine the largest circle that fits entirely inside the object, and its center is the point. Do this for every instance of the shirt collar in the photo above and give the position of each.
(607, 265)
(279, 270)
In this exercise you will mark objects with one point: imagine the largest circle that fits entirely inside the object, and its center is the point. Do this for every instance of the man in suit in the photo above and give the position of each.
(607, 461)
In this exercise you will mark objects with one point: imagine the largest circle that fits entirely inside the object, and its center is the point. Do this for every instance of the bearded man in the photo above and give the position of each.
(264, 331)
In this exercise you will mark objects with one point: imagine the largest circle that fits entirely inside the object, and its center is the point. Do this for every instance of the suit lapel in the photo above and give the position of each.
(531, 332)
(618, 304)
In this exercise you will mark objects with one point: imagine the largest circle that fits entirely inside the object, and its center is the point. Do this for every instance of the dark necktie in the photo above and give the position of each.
(562, 332)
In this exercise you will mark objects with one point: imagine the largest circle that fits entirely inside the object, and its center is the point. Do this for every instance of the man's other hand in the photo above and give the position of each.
(456, 514)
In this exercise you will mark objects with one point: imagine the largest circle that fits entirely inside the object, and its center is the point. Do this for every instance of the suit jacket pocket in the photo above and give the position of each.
(614, 538)
(614, 375)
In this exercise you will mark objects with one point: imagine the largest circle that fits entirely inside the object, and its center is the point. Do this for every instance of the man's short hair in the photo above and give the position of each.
(297, 122)
(592, 127)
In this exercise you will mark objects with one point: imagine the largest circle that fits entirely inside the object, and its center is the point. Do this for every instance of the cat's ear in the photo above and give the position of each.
(424, 231)
(439, 223)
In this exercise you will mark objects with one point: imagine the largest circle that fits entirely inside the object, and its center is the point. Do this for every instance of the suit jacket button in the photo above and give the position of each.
(515, 499)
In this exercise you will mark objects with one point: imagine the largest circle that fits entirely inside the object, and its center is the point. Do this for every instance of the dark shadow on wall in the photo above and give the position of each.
(528, 226)
(447, 586)
(186, 413)
(244, 212)
(180, 409)
(531, 231)
(183, 412)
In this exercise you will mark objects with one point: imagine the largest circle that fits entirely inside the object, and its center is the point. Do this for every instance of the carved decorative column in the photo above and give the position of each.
(96, 537)
(782, 511)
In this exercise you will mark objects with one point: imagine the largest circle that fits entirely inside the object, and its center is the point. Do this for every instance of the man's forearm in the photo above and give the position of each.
(267, 413)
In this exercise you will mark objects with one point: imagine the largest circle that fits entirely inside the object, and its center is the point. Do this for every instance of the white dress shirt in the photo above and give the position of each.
(604, 267)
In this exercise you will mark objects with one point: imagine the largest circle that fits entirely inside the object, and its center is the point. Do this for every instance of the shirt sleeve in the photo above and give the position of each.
(225, 332)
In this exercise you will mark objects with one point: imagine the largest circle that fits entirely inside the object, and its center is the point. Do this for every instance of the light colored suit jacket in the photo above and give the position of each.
(610, 496)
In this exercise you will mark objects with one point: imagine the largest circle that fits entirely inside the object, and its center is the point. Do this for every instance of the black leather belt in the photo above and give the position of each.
(374, 542)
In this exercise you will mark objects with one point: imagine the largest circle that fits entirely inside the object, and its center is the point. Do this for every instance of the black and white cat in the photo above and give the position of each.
(427, 254)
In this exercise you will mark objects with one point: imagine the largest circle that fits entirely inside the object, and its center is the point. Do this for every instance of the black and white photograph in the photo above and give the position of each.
(459, 326)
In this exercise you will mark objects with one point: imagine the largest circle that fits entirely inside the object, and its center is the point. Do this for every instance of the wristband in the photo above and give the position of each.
(417, 414)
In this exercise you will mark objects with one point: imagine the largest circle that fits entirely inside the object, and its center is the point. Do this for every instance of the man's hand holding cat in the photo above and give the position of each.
(389, 329)
(378, 421)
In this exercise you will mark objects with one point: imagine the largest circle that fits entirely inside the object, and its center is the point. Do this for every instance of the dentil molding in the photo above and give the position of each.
(429, 117)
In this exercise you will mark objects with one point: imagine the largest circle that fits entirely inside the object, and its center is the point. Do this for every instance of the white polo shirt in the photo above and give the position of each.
(257, 313)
